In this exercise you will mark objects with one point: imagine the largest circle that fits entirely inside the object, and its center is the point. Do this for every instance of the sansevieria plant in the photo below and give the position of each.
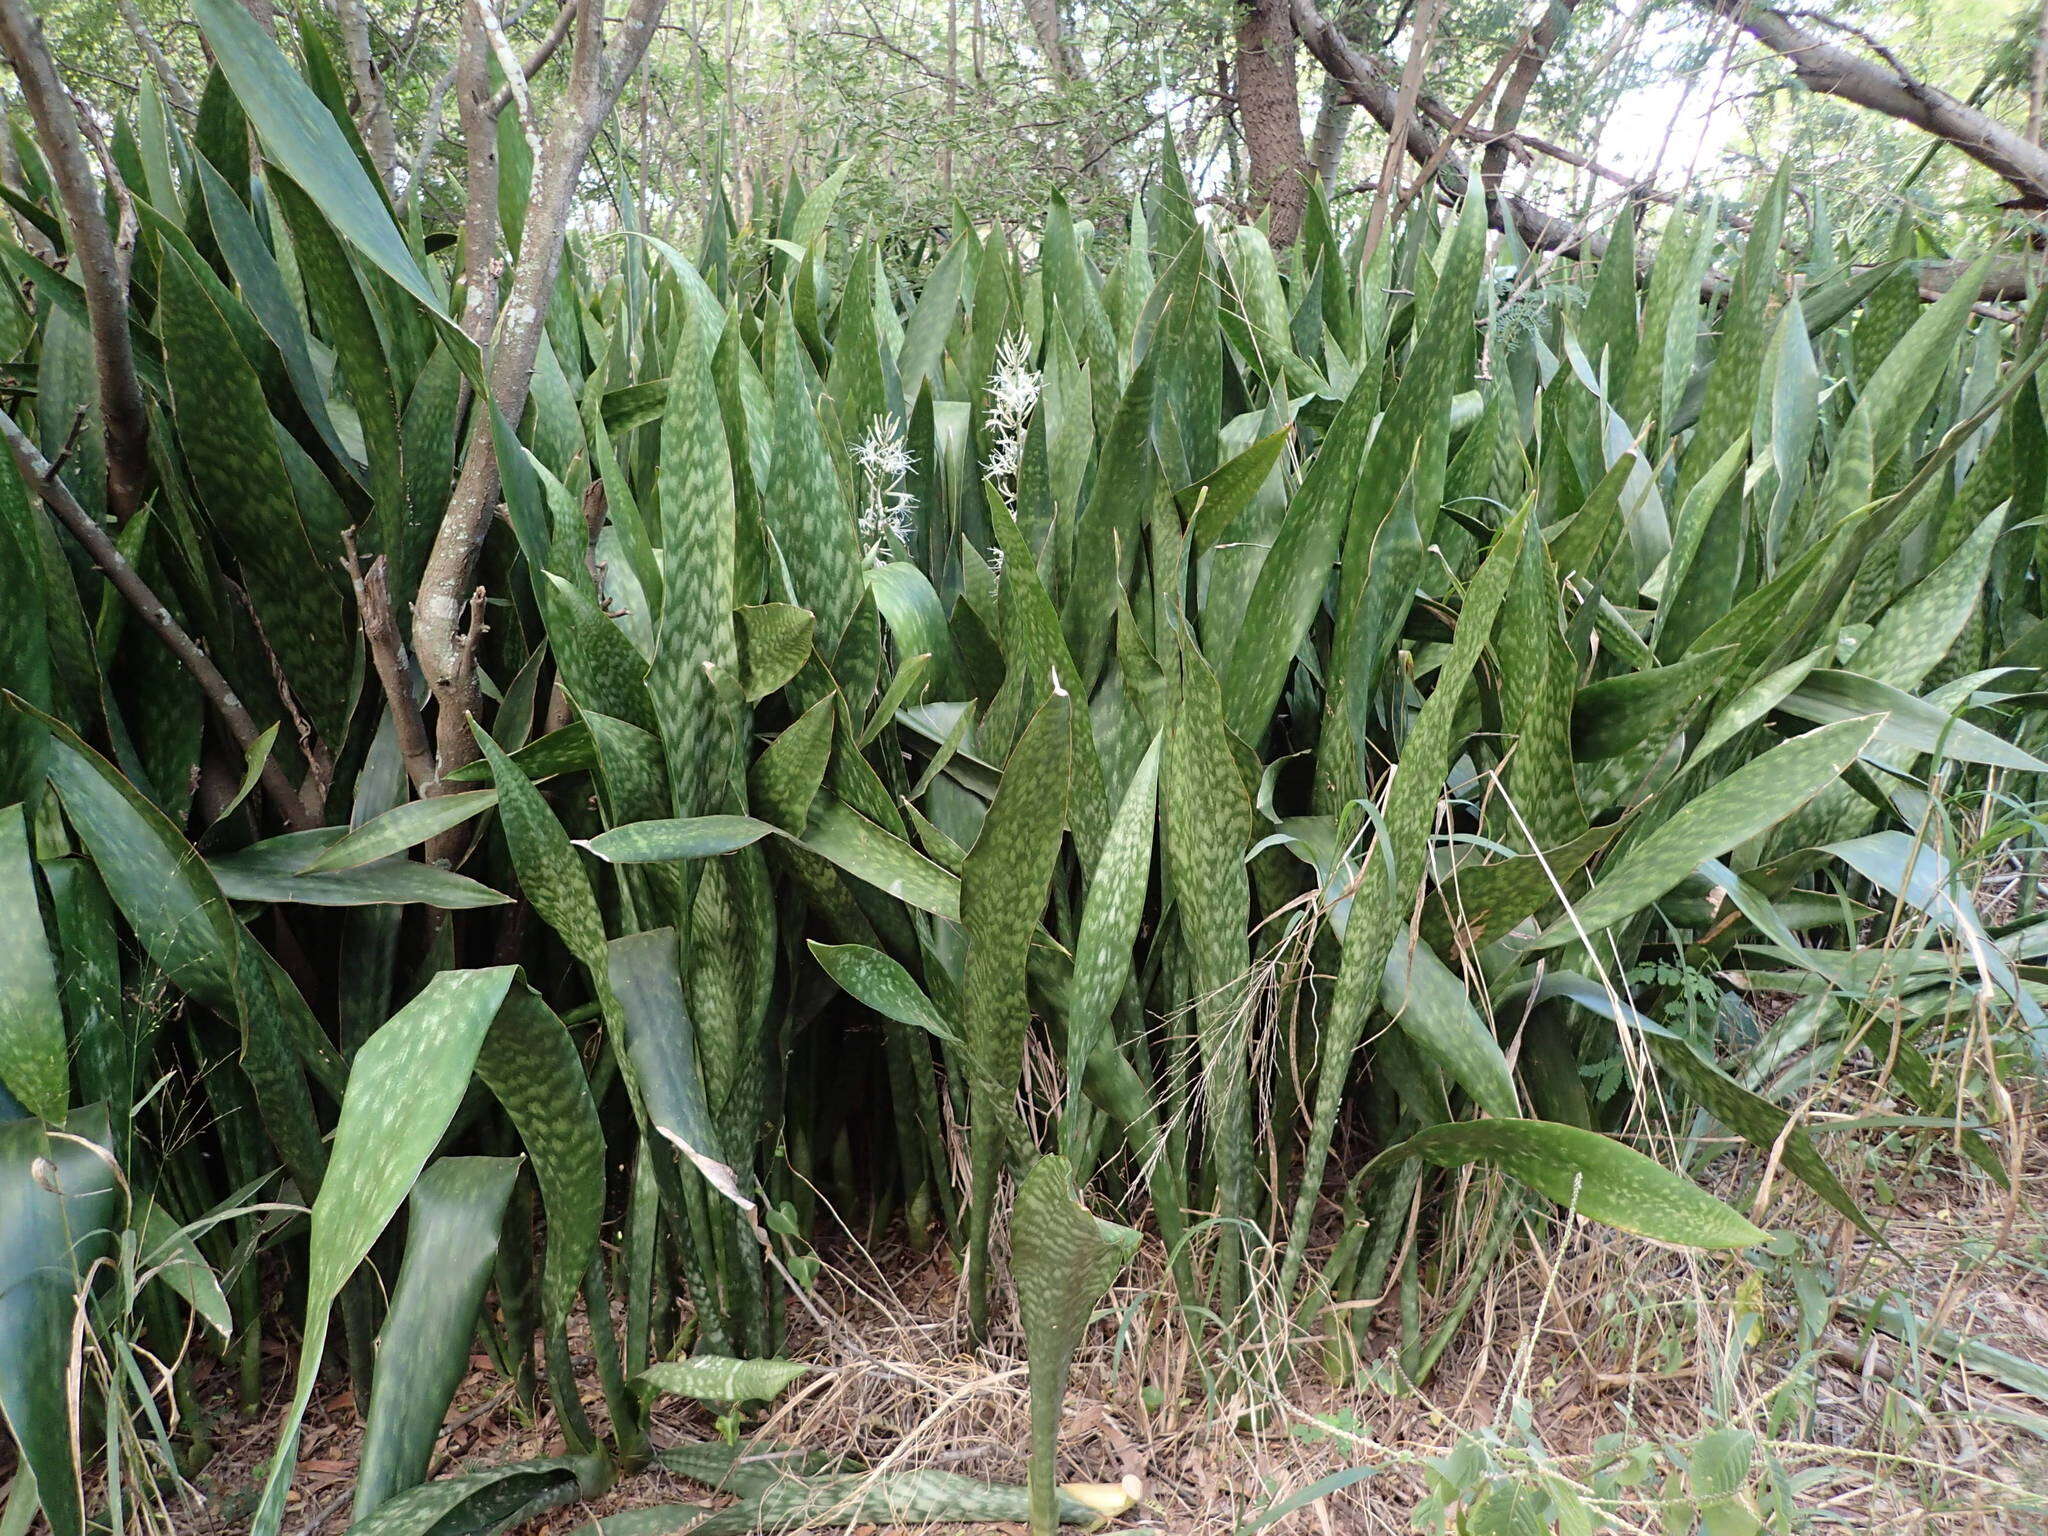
(1261, 741)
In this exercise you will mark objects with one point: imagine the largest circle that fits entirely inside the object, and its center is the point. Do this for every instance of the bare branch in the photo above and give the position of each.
(1884, 85)
(234, 715)
(166, 77)
(1366, 80)
(101, 271)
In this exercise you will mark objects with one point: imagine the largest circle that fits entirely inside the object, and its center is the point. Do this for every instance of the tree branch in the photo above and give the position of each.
(1884, 85)
(371, 106)
(1366, 81)
(40, 474)
(597, 74)
(166, 77)
(101, 271)
(387, 653)
(545, 49)
(1529, 59)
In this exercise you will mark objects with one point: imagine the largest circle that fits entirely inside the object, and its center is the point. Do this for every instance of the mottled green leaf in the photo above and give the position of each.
(698, 837)
(1590, 1173)
(34, 1064)
(718, 1379)
(1750, 801)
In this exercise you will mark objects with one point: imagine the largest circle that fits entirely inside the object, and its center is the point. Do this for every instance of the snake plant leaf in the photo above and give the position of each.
(1395, 867)
(1297, 569)
(1755, 701)
(1208, 817)
(532, 1068)
(802, 503)
(549, 868)
(910, 607)
(1590, 1173)
(1476, 904)
(694, 635)
(486, 1502)
(568, 750)
(1109, 926)
(873, 978)
(454, 1213)
(34, 1058)
(661, 1046)
(719, 1379)
(276, 870)
(1618, 714)
(898, 1496)
(1003, 890)
(786, 777)
(1924, 879)
(1430, 1005)
(1764, 1125)
(1923, 625)
(406, 1084)
(848, 839)
(774, 642)
(262, 286)
(25, 648)
(1750, 801)
(1212, 503)
(369, 358)
(1917, 725)
(402, 827)
(302, 137)
(909, 682)
(1063, 1261)
(286, 547)
(58, 1206)
(694, 837)
(169, 1253)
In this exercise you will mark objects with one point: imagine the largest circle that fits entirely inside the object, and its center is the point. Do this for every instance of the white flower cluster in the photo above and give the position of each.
(887, 510)
(1013, 391)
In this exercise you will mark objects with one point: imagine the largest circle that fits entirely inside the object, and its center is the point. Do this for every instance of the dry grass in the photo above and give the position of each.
(1578, 1334)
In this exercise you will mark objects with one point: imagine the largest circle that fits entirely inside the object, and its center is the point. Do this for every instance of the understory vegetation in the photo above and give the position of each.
(820, 821)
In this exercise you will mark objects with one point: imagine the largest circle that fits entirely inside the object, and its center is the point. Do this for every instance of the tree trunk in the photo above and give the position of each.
(445, 650)
(1528, 63)
(1045, 22)
(371, 110)
(1269, 114)
(1333, 125)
